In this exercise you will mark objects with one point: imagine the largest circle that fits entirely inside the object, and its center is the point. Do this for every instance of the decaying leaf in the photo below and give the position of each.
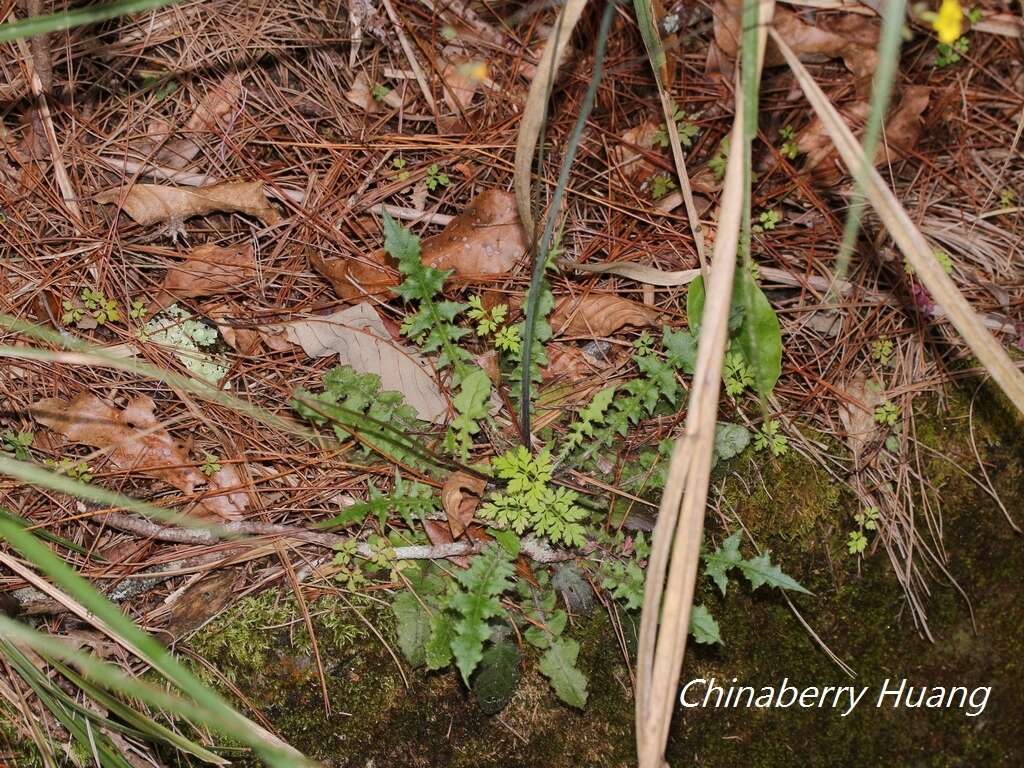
(462, 78)
(460, 497)
(207, 270)
(360, 339)
(627, 159)
(599, 315)
(485, 239)
(857, 412)
(134, 440)
(356, 276)
(439, 533)
(361, 94)
(202, 601)
(903, 128)
(156, 203)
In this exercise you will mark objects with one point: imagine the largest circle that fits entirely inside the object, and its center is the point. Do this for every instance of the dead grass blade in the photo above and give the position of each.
(656, 54)
(909, 238)
(677, 535)
(535, 110)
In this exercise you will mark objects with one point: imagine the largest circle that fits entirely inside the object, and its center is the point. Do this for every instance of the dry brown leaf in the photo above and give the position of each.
(857, 412)
(460, 497)
(462, 78)
(361, 94)
(485, 239)
(567, 361)
(627, 159)
(202, 601)
(360, 339)
(156, 203)
(850, 37)
(357, 276)
(903, 129)
(599, 315)
(439, 533)
(207, 270)
(135, 441)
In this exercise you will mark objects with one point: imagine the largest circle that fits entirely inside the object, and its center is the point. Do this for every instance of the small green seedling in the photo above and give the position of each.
(436, 178)
(401, 173)
(379, 92)
(661, 186)
(770, 437)
(881, 350)
(211, 465)
(867, 520)
(949, 54)
(138, 310)
(17, 443)
(767, 221)
(644, 344)
(508, 339)
(789, 148)
(487, 321)
(73, 468)
(720, 159)
(684, 127)
(736, 372)
(887, 413)
(1007, 197)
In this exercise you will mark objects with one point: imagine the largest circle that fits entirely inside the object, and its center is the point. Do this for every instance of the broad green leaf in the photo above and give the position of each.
(730, 440)
(438, 651)
(717, 564)
(497, 677)
(558, 664)
(760, 570)
(703, 626)
(760, 336)
(413, 627)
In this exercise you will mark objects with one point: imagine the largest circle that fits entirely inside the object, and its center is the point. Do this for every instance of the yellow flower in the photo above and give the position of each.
(949, 21)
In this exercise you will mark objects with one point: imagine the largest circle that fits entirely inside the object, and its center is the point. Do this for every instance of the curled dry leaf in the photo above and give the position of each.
(857, 412)
(848, 36)
(207, 270)
(903, 129)
(135, 441)
(202, 601)
(156, 203)
(360, 339)
(599, 314)
(439, 533)
(460, 497)
(485, 239)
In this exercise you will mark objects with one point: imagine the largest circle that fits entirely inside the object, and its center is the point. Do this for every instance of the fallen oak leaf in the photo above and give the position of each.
(485, 239)
(135, 441)
(360, 338)
(207, 270)
(599, 315)
(460, 497)
(155, 203)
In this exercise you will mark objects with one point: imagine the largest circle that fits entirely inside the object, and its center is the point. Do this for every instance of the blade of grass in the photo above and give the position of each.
(881, 90)
(535, 109)
(909, 239)
(56, 22)
(540, 257)
(105, 615)
(677, 537)
(656, 54)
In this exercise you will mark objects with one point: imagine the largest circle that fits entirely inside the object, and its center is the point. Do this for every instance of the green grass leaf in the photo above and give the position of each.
(56, 22)
(760, 336)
